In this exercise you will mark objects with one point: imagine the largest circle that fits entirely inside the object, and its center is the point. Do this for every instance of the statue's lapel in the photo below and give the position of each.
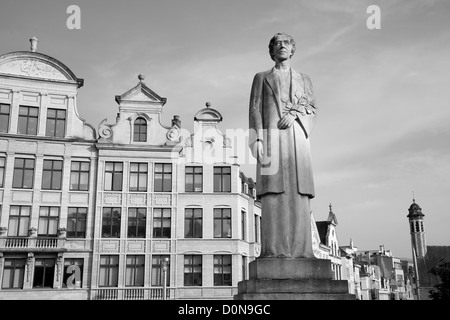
(273, 83)
(297, 86)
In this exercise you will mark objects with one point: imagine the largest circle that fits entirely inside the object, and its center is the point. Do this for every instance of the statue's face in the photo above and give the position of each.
(282, 49)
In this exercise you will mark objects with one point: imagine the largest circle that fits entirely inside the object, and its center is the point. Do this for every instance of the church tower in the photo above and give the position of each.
(415, 217)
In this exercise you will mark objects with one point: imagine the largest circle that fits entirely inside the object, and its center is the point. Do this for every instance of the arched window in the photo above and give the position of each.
(140, 130)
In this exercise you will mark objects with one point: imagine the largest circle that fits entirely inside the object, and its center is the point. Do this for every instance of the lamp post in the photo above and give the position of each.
(165, 265)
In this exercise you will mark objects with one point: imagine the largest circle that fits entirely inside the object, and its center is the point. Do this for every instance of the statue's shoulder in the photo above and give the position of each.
(263, 74)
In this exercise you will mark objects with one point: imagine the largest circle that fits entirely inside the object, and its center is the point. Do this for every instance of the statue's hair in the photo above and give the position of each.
(272, 43)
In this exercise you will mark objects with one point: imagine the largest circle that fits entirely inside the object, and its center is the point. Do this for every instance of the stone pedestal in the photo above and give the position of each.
(292, 279)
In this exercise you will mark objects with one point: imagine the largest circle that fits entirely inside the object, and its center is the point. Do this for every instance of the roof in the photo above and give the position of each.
(322, 228)
(208, 114)
(415, 211)
(432, 258)
(38, 66)
(141, 93)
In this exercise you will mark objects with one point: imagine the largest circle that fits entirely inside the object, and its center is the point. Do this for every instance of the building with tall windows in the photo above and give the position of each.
(47, 189)
(138, 210)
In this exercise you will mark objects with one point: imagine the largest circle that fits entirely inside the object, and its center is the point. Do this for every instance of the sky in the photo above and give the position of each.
(383, 130)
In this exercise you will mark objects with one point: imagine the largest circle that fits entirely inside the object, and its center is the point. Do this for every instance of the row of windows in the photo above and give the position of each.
(44, 271)
(23, 176)
(162, 223)
(416, 226)
(19, 220)
(163, 177)
(28, 121)
(134, 275)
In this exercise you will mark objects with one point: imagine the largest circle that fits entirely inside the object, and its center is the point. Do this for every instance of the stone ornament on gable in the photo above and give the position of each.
(226, 142)
(32, 68)
(173, 134)
(104, 130)
(188, 142)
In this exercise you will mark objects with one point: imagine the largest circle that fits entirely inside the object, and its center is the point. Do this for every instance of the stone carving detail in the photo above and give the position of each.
(104, 130)
(30, 263)
(173, 134)
(32, 68)
(3, 231)
(226, 142)
(59, 263)
(188, 142)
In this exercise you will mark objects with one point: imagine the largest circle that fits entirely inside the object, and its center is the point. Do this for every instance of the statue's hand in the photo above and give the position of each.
(286, 122)
(258, 151)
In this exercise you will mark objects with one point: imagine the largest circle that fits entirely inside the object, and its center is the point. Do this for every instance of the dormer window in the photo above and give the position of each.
(140, 130)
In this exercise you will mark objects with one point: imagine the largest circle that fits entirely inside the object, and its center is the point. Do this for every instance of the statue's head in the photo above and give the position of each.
(275, 39)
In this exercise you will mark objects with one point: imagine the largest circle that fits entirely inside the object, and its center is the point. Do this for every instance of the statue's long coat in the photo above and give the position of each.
(265, 112)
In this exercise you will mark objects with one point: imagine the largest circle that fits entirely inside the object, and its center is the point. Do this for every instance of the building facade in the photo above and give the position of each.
(46, 188)
(139, 211)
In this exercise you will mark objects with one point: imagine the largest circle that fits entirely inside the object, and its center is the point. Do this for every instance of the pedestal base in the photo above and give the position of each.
(292, 279)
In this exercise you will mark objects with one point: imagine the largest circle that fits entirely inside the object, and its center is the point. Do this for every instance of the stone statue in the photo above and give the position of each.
(282, 114)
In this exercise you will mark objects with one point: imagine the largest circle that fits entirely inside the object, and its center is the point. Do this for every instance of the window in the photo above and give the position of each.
(113, 176)
(222, 179)
(161, 223)
(222, 270)
(23, 173)
(194, 179)
(222, 223)
(243, 224)
(28, 120)
(111, 223)
(2, 171)
(193, 223)
(256, 228)
(138, 176)
(157, 270)
(48, 221)
(19, 220)
(56, 123)
(76, 222)
(136, 222)
(13, 273)
(79, 176)
(244, 267)
(109, 271)
(163, 177)
(44, 270)
(134, 274)
(4, 117)
(140, 130)
(73, 273)
(52, 175)
(192, 270)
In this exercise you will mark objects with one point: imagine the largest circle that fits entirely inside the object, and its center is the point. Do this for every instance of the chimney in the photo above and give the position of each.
(34, 41)
(382, 249)
(176, 121)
